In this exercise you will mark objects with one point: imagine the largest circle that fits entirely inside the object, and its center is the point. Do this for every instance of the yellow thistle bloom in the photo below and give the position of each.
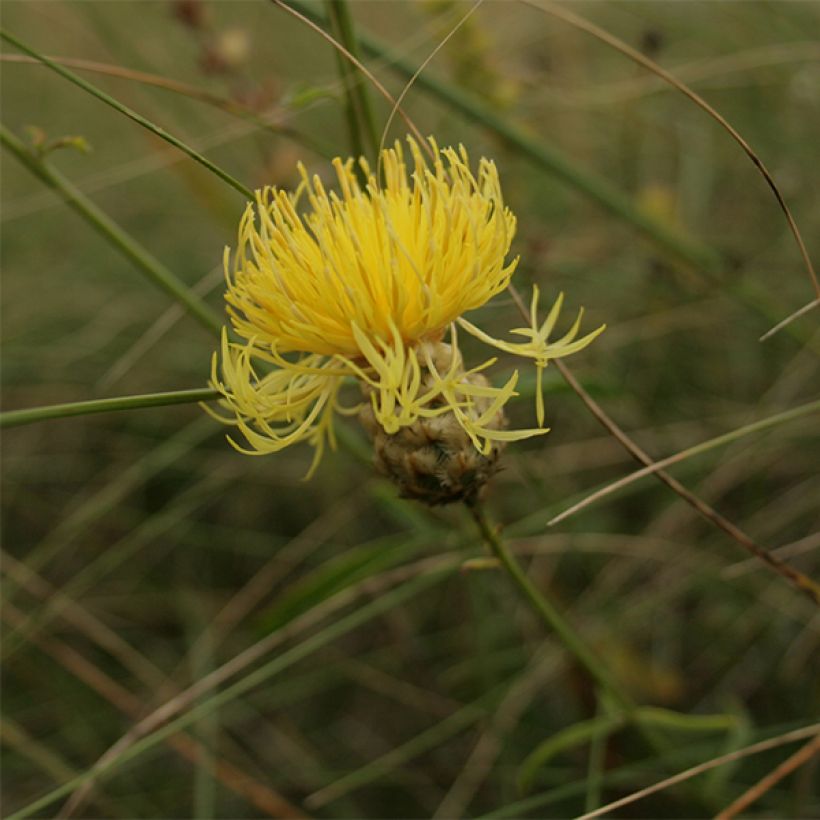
(364, 283)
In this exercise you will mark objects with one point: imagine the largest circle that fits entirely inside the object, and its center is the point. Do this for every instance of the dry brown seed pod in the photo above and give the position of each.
(434, 460)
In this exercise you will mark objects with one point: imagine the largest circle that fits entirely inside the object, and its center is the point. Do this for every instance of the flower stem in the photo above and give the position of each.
(16, 418)
(364, 137)
(553, 619)
(572, 642)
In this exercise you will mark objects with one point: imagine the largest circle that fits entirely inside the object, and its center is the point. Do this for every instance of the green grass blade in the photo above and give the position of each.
(680, 722)
(131, 114)
(575, 735)
(432, 737)
(110, 230)
(335, 630)
(361, 119)
(85, 512)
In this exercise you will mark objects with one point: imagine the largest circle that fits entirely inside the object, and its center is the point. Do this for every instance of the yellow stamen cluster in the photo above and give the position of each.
(361, 284)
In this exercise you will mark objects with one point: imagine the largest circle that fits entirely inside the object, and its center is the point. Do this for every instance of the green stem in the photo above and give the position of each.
(572, 642)
(16, 418)
(103, 224)
(596, 765)
(354, 131)
(553, 619)
(130, 113)
(359, 108)
(230, 106)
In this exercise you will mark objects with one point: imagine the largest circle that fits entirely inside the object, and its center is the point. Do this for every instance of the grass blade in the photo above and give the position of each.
(130, 113)
(154, 270)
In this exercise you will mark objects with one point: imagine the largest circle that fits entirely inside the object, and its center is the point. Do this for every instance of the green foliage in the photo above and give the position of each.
(327, 648)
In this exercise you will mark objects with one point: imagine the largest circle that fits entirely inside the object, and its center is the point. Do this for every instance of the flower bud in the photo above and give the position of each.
(434, 460)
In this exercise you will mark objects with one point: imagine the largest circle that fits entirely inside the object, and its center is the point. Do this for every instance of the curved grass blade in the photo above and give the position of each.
(227, 104)
(584, 731)
(619, 45)
(130, 113)
(703, 447)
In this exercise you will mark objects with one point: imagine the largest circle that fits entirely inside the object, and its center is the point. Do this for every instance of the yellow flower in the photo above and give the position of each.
(363, 283)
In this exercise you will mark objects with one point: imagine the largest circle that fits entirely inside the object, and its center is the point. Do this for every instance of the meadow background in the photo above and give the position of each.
(371, 674)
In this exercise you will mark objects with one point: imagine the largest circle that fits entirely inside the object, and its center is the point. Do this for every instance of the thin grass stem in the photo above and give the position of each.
(130, 113)
(235, 108)
(694, 771)
(153, 269)
(364, 135)
(17, 418)
(798, 579)
(548, 612)
(697, 449)
(642, 60)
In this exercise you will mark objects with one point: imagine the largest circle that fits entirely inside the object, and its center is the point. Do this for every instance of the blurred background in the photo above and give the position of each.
(141, 552)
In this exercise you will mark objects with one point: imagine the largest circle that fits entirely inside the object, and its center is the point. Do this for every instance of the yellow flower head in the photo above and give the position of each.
(362, 282)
